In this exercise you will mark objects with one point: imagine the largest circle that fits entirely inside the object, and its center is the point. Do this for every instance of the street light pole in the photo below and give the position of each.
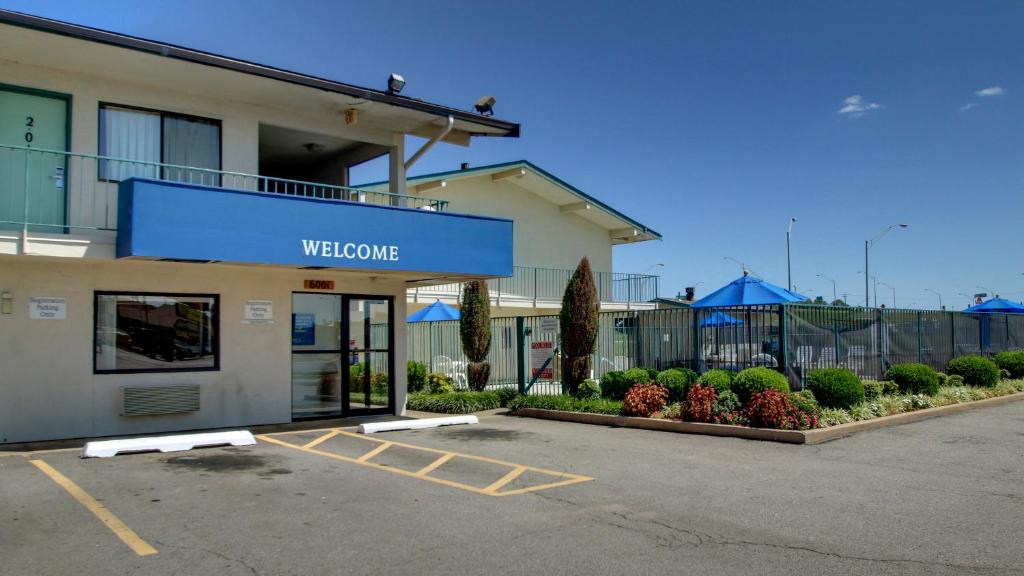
(789, 260)
(868, 244)
(833, 285)
(937, 294)
(891, 287)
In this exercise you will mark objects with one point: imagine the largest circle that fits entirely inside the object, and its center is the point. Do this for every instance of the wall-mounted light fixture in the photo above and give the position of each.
(6, 302)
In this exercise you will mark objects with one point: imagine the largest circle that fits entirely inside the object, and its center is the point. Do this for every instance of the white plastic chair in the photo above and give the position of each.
(804, 356)
(855, 359)
(765, 360)
(827, 358)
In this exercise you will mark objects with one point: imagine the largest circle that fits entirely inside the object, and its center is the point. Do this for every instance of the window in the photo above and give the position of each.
(156, 332)
(145, 138)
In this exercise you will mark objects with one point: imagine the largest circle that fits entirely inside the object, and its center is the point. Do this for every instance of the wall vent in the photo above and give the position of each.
(149, 400)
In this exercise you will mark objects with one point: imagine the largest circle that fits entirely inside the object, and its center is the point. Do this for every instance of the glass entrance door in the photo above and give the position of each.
(368, 381)
(341, 355)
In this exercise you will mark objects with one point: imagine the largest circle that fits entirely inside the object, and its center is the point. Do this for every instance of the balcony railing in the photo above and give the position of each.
(51, 190)
(529, 284)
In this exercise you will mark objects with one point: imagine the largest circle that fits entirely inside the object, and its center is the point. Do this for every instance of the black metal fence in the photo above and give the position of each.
(793, 338)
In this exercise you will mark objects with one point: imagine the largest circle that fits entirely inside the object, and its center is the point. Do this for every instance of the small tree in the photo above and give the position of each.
(475, 330)
(578, 323)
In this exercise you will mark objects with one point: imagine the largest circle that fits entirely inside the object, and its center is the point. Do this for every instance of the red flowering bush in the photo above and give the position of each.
(645, 399)
(700, 404)
(773, 409)
(734, 418)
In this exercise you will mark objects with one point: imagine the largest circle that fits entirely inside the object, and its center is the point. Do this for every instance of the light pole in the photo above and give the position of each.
(833, 285)
(868, 244)
(891, 287)
(937, 294)
(789, 265)
(651, 267)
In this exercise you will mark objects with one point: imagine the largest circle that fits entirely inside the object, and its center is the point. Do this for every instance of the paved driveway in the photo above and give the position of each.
(520, 496)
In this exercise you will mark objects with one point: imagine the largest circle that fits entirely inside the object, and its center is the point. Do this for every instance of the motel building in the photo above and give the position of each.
(556, 224)
(180, 248)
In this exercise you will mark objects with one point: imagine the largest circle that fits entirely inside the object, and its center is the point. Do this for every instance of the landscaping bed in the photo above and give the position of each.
(756, 403)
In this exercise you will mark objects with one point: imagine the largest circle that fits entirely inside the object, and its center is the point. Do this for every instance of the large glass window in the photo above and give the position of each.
(144, 138)
(156, 332)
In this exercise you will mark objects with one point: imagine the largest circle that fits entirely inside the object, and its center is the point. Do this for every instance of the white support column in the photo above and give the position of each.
(396, 165)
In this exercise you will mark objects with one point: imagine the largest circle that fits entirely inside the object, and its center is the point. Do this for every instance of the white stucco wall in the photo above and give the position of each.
(46, 366)
(544, 237)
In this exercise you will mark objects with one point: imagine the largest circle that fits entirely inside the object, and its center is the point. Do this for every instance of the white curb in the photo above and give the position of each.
(108, 448)
(375, 427)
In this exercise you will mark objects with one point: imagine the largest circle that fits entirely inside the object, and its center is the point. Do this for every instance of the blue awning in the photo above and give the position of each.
(997, 306)
(435, 312)
(747, 291)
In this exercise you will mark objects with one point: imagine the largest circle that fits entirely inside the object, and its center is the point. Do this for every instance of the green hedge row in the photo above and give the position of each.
(567, 404)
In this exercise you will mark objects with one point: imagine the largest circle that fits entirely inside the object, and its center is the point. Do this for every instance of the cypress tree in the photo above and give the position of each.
(578, 322)
(475, 331)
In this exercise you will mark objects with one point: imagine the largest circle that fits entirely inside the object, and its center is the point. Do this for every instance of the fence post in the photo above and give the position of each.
(695, 336)
(920, 351)
(883, 344)
(952, 334)
(534, 287)
(521, 354)
(783, 346)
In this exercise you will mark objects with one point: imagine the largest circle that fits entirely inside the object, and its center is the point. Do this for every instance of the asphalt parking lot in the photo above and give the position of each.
(522, 496)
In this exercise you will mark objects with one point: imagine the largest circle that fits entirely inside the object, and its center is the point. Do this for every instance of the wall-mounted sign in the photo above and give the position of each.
(539, 354)
(259, 312)
(303, 329)
(549, 324)
(379, 234)
(45, 308)
(318, 284)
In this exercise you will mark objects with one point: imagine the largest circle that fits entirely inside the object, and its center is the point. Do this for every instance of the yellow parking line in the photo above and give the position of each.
(126, 534)
(374, 452)
(435, 464)
(449, 483)
(320, 439)
(515, 473)
(460, 455)
(423, 473)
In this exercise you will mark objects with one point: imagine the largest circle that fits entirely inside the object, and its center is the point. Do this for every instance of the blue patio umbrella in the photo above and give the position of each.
(718, 319)
(436, 311)
(747, 291)
(997, 305)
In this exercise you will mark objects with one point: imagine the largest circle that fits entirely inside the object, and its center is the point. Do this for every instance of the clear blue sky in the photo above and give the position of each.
(710, 122)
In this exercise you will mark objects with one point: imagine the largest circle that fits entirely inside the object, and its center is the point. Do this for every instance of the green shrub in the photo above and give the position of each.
(835, 387)
(454, 402)
(415, 375)
(942, 378)
(588, 390)
(726, 402)
(890, 387)
(914, 378)
(975, 370)
(720, 380)
(805, 401)
(677, 380)
(578, 322)
(834, 417)
(379, 383)
(955, 380)
(673, 411)
(754, 380)
(475, 332)
(872, 389)
(635, 376)
(613, 385)
(505, 395)
(1012, 361)
(566, 404)
(651, 373)
(438, 383)
(1004, 374)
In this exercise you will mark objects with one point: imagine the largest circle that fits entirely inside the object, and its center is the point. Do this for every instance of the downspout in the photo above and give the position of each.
(430, 143)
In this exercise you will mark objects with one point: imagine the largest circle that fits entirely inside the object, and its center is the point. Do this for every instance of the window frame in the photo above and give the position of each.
(214, 322)
(163, 114)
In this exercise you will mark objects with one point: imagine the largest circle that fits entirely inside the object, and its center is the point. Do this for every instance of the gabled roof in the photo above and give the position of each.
(548, 186)
(465, 121)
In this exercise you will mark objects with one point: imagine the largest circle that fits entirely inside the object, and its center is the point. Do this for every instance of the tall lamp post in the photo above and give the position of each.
(891, 287)
(867, 245)
(833, 286)
(937, 294)
(789, 259)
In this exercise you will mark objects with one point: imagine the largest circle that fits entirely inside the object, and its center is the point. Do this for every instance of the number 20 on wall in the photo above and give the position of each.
(30, 123)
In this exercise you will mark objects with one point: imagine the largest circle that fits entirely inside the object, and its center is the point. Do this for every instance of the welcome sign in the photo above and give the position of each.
(198, 223)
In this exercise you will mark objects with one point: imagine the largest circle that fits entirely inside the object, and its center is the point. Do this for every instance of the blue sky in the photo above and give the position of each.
(710, 122)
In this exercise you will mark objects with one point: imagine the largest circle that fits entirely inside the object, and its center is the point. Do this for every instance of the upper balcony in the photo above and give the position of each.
(163, 211)
(60, 192)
